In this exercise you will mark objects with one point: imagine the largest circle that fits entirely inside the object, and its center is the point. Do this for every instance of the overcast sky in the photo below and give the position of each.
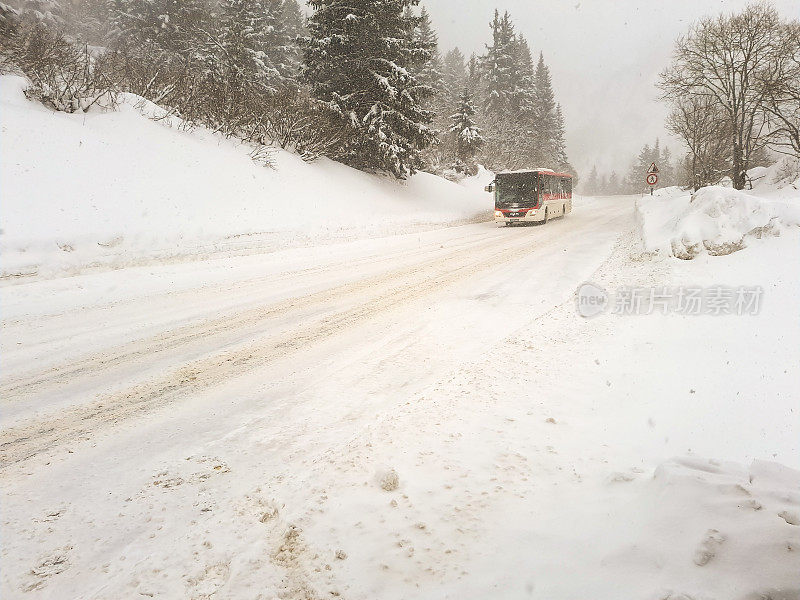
(604, 58)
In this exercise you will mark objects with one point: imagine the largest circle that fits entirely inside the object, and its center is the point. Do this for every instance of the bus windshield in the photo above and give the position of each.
(516, 193)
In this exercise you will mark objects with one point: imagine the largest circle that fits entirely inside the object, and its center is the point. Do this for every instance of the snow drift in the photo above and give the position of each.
(115, 188)
(717, 220)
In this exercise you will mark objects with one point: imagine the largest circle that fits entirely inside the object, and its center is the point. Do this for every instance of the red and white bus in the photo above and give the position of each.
(531, 196)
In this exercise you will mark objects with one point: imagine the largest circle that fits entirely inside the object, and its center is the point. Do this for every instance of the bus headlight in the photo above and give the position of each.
(497, 213)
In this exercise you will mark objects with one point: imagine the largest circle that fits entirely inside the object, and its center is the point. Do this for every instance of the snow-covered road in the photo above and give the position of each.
(97, 349)
(417, 416)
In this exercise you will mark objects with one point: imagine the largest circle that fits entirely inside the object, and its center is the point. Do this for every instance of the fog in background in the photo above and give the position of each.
(604, 58)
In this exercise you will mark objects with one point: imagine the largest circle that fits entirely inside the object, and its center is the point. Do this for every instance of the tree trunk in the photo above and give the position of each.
(738, 174)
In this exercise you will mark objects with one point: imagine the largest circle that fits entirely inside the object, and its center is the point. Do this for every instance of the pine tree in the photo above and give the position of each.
(476, 82)
(473, 71)
(592, 184)
(655, 156)
(454, 74)
(9, 18)
(246, 32)
(524, 87)
(559, 137)
(238, 74)
(173, 25)
(505, 92)
(638, 170)
(613, 184)
(666, 168)
(468, 138)
(359, 60)
(430, 72)
(602, 186)
(522, 131)
(295, 28)
(278, 46)
(46, 11)
(91, 20)
(546, 115)
(499, 68)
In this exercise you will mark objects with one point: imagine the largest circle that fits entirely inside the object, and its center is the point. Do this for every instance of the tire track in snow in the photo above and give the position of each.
(18, 387)
(385, 292)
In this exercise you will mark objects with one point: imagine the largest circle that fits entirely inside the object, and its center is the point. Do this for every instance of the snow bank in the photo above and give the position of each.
(741, 529)
(714, 219)
(672, 191)
(781, 178)
(117, 188)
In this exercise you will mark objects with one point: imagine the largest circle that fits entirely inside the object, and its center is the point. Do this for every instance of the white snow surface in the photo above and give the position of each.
(413, 416)
(117, 188)
(715, 219)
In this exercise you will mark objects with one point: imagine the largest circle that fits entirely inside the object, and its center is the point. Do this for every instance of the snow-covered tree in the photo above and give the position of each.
(294, 24)
(468, 138)
(560, 143)
(666, 168)
(473, 70)
(602, 185)
(733, 61)
(8, 23)
(90, 20)
(523, 123)
(613, 184)
(546, 110)
(279, 47)
(499, 67)
(359, 60)
(174, 25)
(247, 32)
(454, 74)
(662, 157)
(50, 12)
(592, 184)
(523, 95)
(704, 128)
(430, 72)
(505, 89)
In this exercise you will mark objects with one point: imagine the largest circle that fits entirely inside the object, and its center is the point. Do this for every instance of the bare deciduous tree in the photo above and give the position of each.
(730, 61)
(783, 97)
(702, 125)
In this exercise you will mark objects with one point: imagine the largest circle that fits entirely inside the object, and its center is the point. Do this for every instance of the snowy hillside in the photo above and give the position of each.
(116, 188)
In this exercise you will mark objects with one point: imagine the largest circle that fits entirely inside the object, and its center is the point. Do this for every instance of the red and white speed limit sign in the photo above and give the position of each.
(652, 179)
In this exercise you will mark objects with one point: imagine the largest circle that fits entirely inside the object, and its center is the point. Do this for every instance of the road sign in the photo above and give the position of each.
(653, 168)
(652, 179)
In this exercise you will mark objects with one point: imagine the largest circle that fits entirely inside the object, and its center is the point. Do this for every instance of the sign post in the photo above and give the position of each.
(652, 177)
